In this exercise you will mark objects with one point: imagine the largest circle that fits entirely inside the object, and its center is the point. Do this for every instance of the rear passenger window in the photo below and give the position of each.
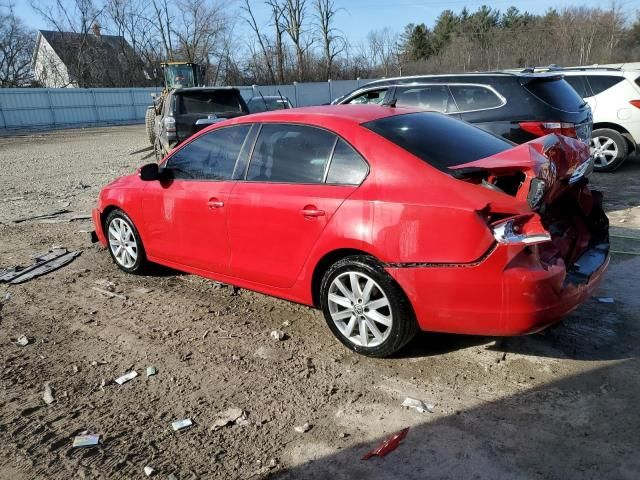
(579, 85)
(290, 154)
(211, 156)
(473, 97)
(347, 166)
(432, 97)
(600, 83)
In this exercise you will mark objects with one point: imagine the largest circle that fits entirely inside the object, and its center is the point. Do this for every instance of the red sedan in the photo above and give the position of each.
(389, 220)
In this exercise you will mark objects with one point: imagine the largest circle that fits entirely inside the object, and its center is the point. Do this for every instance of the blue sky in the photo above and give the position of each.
(357, 17)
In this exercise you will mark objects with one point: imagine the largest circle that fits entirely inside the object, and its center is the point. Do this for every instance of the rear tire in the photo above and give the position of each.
(149, 120)
(377, 320)
(124, 243)
(609, 149)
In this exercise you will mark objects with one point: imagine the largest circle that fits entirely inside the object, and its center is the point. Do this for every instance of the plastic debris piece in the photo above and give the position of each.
(55, 213)
(126, 377)
(148, 471)
(151, 371)
(109, 294)
(303, 428)
(278, 335)
(181, 424)
(605, 299)
(47, 395)
(44, 263)
(419, 405)
(88, 440)
(231, 415)
(23, 340)
(388, 445)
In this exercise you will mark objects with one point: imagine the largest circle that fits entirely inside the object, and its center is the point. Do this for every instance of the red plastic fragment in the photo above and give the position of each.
(388, 445)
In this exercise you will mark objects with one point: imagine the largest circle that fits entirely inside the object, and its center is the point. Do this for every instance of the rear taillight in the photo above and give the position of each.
(544, 128)
(635, 103)
(170, 124)
(520, 230)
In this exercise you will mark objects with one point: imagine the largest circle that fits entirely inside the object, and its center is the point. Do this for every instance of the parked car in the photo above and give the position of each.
(388, 219)
(614, 97)
(188, 110)
(268, 103)
(517, 106)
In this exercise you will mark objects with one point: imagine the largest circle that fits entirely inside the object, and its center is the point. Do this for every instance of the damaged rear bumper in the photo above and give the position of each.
(507, 294)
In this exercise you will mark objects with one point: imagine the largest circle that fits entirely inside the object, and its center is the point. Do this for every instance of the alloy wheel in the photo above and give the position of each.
(603, 150)
(122, 243)
(360, 309)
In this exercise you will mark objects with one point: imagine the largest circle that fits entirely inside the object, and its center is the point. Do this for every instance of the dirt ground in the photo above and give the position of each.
(561, 404)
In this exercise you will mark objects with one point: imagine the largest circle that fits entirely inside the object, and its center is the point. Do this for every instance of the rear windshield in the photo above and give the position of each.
(208, 102)
(557, 93)
(439, 140)
(268, 104)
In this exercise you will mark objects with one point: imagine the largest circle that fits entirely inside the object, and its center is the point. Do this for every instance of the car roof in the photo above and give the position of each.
(315, 115)
(418, 78)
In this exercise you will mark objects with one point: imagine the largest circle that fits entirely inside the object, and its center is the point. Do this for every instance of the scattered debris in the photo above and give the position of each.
(23, 340)
(303, 428)
(343, 435)
(286, 323)
(605, 299)
(278, 335)
(419, 405)
(47, 395)
(75, 218)
(45, 263)
(148, 471)
(143, 290)
(106, 284)
(88, 440)
(388, 445)
(109, 294)
(126, 377)
(43, 216)
(231, 415)
(75, 369)
(151, 371)
(181, 424)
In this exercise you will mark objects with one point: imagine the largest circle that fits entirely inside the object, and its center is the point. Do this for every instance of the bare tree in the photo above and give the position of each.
(16, 46)
(251, 20)
(333, 44)
(293, 18)
(277, 19)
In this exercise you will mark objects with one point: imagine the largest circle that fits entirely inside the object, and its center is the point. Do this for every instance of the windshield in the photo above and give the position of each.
(438, 139)
(178, 76)
(208, 102)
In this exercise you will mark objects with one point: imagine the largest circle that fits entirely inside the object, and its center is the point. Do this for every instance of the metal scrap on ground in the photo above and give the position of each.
(419, 405)
(387, 445)
(126, 377)
(181, 424)
(45, 263)
(88, 440)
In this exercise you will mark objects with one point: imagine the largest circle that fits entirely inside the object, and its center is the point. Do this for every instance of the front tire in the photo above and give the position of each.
(365, 308)
(609, 149)
(124, 243)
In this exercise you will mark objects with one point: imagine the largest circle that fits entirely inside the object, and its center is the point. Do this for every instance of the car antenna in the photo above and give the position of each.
(266, 108)
(281, 97)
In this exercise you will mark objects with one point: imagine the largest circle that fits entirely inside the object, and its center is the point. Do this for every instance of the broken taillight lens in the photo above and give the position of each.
(521, 229)
(544, 128)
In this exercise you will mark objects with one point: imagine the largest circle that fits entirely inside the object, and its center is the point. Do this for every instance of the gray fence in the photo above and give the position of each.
(23, 108)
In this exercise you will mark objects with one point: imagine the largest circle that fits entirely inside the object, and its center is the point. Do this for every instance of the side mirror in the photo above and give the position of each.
(150, 172)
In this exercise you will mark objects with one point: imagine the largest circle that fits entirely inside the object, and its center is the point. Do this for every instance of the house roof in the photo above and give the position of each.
(95, 60)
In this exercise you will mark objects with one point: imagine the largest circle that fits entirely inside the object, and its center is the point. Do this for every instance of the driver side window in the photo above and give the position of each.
(211, 156)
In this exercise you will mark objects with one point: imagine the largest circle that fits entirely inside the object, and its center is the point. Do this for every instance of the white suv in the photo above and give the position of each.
(613, 92)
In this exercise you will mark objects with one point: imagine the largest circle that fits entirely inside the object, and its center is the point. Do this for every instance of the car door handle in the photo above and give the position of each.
(215, 203)
(312, 212)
